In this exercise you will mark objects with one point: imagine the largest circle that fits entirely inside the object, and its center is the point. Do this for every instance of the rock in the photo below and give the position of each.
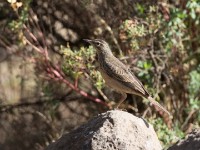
(113, 130)
(191, 142)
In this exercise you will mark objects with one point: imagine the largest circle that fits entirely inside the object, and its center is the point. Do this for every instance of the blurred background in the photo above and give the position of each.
(49, 83)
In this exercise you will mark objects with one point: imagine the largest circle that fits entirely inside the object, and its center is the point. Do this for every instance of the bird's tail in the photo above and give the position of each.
(157, 104)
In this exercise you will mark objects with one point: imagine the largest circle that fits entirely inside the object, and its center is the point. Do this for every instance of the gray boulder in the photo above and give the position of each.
(113, 130)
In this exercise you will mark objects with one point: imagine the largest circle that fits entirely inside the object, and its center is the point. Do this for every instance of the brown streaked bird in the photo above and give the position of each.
(117, 75)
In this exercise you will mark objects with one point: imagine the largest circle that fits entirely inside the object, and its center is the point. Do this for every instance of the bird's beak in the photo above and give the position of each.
(89, 41)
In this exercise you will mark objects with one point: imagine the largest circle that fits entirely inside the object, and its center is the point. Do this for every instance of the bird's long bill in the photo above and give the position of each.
(88, 40)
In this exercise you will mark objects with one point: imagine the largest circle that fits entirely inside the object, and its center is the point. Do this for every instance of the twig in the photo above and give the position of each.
(187, 119)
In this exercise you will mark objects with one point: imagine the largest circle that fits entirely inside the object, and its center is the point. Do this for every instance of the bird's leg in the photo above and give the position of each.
(123, 97)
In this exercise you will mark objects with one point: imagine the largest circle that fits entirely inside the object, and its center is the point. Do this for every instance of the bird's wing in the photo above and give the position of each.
(118, 71)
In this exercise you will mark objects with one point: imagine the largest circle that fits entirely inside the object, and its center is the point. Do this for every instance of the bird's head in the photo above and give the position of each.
(100, 45)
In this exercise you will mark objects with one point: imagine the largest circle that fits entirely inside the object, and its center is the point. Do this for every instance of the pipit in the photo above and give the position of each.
(117, 75)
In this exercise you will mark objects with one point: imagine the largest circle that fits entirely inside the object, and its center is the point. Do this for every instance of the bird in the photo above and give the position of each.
(117, 75)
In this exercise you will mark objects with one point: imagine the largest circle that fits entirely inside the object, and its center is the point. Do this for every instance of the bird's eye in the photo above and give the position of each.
(98, 43)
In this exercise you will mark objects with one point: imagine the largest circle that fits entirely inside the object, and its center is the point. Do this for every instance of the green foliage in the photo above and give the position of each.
(166, 136)
(194, 89)
(145, 70)
(179, 34)
(140, 8)
(194, 85)
(78, 62)
(180, 26)
(133, 31)
(175, 30)
(194, 10)
(21, 9)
